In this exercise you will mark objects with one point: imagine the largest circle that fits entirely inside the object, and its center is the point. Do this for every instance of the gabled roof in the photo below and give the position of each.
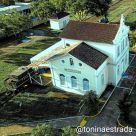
(88, 31)
(88, 55)
(19, 6)
(59, 15)
(81, 51)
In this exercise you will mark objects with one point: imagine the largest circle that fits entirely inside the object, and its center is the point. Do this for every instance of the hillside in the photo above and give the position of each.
(118, 7)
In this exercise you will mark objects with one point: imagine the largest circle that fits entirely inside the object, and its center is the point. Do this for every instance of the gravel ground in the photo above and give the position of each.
(110, 113)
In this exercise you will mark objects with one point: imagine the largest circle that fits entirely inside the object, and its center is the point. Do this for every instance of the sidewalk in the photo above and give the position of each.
(109, 115)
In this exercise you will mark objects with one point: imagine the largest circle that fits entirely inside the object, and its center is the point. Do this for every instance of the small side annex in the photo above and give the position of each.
(59, 20)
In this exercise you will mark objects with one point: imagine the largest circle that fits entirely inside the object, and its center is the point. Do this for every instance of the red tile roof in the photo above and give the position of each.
(88, 31)
(89, 55)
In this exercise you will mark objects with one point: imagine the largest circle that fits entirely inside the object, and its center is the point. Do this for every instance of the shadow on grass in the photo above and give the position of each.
(41, 32)
(18, 59)
(42, 44)
(46, 30)
(23, 55)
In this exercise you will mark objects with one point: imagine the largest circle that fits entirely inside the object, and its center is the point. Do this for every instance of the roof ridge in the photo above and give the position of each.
(94, 22)
(90, 31)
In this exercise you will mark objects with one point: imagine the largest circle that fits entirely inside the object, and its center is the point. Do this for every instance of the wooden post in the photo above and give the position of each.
(41, 80)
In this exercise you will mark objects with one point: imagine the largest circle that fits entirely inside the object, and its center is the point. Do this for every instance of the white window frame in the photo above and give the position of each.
(86, 82)
(71, 61)
(62, 83)
(126, 59)
(126, 41)
(102, 79)
(118, 51)
(122, 48)
(64, 22)
(118, 71)
(74, 82)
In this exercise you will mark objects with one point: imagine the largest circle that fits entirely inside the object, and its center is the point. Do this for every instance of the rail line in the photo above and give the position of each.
(7, 96)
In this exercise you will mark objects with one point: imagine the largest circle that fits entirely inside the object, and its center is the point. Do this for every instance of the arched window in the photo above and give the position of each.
(73, 81)
(118, 51)
(102, 79)
(85, 84)
(118, 71)
(126, 40)
(126, 60)
(122, 45)
(71, 61)
(62, 79)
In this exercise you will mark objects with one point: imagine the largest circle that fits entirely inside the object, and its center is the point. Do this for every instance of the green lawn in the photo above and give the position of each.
(118, 7)
(14, 55)
(126, 7)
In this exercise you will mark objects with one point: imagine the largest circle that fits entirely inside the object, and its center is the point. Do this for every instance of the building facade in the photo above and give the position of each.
(98, 55)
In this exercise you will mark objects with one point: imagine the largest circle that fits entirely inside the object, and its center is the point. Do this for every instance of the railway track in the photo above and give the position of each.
(5, 97)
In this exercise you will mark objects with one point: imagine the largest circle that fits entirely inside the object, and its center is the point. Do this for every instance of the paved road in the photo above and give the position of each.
(110, 113)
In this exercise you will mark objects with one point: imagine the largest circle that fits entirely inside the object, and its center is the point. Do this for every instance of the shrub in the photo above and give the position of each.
(89, 104)
(43, 130)
(68, 131)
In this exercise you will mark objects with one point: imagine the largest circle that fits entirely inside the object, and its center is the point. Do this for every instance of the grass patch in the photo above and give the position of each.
(125, 7)
(131, 17)
(5, 69)
(15, 54)
(117, 12)
(34, 106)
(118, 7)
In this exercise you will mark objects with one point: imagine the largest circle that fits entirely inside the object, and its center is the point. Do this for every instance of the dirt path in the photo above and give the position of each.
(14, 129)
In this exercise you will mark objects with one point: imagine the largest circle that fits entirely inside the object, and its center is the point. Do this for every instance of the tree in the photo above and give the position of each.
(68, 131)
(14, 22)
(43, 130)
(95, 7)
(42, 9)
(89, 104)
(98, 7)
(8, 2)
(59, 5)
(77, 9)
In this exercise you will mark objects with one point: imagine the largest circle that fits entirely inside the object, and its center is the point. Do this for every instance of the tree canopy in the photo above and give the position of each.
(14, 22)
(48, 130)
(7, 2)
(79, 9)
(98, 7)
(42, 9)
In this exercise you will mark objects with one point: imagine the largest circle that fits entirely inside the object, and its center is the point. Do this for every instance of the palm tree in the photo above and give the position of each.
(133, 39)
